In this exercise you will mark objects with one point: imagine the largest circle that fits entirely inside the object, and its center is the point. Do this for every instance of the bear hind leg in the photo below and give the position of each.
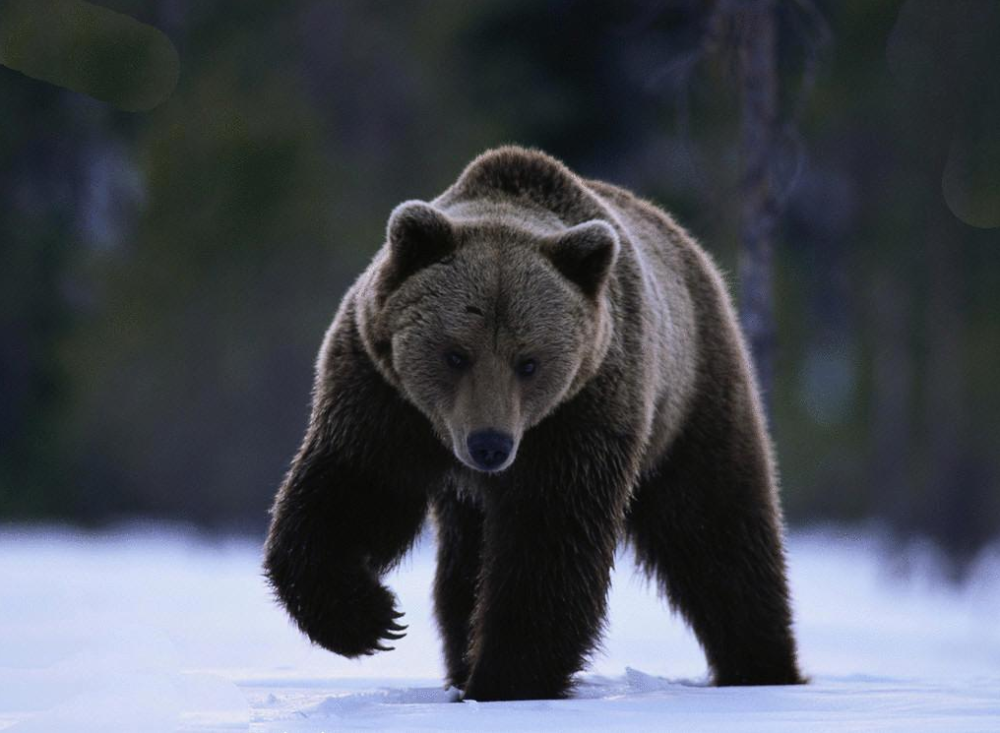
(706, 526)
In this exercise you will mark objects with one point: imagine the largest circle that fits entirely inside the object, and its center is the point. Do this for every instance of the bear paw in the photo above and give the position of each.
(360, 623)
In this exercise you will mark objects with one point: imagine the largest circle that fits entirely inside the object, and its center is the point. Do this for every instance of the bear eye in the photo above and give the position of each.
(456, 360)
(526, 367)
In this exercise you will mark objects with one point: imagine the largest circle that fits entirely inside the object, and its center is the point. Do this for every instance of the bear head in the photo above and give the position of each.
(487, 323)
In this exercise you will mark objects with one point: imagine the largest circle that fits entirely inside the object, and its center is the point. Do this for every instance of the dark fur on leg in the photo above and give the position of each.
(460, 539)
(331, 538)
(706, 524)
(550, 534)
(720, 562)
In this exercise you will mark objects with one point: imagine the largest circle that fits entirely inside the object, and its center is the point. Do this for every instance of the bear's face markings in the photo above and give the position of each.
(489, 344)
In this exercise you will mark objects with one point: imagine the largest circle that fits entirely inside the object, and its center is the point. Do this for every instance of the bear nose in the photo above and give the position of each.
(489, 448)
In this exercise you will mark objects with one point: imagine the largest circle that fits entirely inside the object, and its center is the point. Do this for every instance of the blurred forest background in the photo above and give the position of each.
(166, 276)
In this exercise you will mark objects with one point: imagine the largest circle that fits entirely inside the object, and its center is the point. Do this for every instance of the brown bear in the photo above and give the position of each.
(551, 366)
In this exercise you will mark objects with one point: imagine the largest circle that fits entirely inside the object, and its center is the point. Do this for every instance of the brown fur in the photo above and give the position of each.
(641, 422)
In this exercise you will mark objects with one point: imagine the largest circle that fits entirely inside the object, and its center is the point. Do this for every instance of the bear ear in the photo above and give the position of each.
(418, 235)
(584, 254)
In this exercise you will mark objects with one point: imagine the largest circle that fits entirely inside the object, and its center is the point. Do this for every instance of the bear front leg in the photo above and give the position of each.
(335, 529)
(707, 525)
(351, 505)
(460, 541)
(551, 528)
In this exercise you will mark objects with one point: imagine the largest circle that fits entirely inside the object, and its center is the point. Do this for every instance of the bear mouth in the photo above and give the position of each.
(471, 464)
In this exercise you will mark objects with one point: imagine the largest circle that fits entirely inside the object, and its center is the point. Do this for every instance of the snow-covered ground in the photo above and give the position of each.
(158, 630)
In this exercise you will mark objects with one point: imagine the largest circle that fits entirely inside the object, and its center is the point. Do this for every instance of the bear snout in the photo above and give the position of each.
(489, 449)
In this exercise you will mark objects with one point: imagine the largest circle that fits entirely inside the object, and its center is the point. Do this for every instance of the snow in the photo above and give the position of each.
(158, 629)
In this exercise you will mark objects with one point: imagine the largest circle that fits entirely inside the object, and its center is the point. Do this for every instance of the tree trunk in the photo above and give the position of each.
(758, 79)
(951, 500)
(892, 416)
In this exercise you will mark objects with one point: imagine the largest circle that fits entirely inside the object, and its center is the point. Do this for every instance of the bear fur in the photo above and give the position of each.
(593, 343)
